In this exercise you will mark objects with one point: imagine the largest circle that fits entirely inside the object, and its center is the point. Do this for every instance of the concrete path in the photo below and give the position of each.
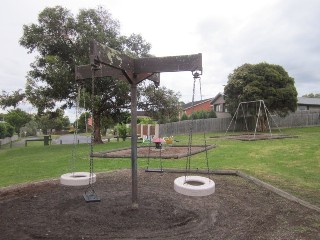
(68, 139)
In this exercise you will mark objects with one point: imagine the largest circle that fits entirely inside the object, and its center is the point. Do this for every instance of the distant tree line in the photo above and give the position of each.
(19, 122)
(312, 95)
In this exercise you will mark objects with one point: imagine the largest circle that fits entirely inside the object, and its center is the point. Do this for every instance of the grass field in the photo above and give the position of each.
(292, 164)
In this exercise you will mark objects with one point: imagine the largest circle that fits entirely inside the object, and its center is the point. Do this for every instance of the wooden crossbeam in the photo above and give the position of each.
(83, 72)
(101, 54)
(169, 64)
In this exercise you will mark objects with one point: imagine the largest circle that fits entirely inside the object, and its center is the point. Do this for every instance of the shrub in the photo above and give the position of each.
(6, 130)
(10, 130)
(3, 130)
(122, 131)
(212, 114)
(184, 117)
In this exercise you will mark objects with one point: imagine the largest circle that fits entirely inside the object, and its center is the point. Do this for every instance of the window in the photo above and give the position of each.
(217, 108)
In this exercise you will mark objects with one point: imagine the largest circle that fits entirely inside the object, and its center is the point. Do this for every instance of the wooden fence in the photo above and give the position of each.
(298, 119)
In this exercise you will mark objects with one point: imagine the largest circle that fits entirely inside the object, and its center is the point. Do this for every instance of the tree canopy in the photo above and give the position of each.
(11, 99)
(17, 118)
(160, 103)
(62, 42)
(263, 81)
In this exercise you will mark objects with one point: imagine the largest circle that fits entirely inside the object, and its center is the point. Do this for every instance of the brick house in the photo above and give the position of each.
(198, 106)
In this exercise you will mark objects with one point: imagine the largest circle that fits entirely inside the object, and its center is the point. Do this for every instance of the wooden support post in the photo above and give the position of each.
(134, 164)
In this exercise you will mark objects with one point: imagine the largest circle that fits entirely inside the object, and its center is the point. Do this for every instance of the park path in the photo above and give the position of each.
(68, 139)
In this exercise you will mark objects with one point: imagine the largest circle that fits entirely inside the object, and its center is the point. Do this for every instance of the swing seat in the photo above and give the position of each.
(195, 186)
(77, 179)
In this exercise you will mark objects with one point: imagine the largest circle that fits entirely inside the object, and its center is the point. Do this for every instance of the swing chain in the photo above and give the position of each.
(90, 194)
(204, 133)
(196, 75)
(75, 133)
(188, 162)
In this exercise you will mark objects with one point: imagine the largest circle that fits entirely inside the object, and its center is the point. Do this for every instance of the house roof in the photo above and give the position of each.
(189, 105)
(308, 101)
(216, 97)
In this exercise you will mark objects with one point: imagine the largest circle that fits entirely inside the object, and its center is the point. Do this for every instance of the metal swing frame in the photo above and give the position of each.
(262, 107)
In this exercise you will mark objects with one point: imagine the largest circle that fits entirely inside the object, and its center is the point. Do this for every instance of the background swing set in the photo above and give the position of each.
(253, 117)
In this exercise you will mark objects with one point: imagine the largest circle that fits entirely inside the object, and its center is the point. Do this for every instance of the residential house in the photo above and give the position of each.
(197, 106)
(305, 103)
(219, 106)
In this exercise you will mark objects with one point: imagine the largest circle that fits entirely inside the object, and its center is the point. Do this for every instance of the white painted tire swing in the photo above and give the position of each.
(196, 186)
(77, 179)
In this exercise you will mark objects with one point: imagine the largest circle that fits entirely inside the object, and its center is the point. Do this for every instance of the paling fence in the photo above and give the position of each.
(298, 119)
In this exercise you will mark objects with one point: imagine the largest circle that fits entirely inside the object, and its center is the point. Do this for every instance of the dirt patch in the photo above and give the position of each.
(237, 210)
(177, 151)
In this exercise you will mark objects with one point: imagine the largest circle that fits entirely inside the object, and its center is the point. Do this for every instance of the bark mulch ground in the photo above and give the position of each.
(237, 210)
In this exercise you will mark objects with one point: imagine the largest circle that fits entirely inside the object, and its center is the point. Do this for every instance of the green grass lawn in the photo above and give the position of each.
(292, 164)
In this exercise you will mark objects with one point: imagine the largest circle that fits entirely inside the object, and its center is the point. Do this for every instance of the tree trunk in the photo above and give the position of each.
(97, 135)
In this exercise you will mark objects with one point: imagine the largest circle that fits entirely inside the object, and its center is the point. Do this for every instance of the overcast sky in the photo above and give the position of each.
(228, 33)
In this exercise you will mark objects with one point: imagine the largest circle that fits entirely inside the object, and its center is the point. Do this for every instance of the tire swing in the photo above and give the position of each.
(82, 178)
(194, 185)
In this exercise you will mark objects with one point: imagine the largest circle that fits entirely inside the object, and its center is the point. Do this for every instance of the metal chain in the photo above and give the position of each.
(188, 162)
(90, 194)
(72, 163)
(204, 132)
(84, 107)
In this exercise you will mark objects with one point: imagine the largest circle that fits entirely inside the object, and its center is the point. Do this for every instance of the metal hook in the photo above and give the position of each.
(196, 74)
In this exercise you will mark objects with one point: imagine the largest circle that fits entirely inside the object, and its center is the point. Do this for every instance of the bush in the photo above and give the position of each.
(122, 131)
(212, 114)
(184, 117)
(199, 115)
(3, 130)
(10, 130)
(6, 130)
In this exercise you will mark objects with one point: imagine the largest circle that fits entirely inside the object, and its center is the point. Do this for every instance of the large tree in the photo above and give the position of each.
(62, 42)
(160, 103)
(263, 81)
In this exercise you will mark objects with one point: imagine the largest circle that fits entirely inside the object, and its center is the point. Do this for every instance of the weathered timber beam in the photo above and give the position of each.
(169, 64)
(102, 54)
(84, 72)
